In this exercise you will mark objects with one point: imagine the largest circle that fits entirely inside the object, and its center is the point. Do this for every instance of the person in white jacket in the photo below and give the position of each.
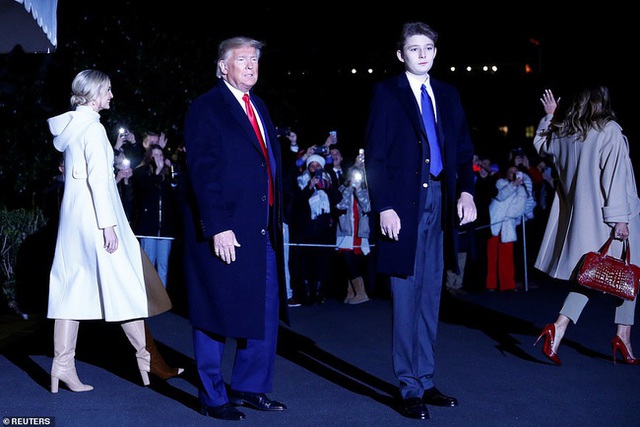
(97, 267)
(352, 230)
(505, 211)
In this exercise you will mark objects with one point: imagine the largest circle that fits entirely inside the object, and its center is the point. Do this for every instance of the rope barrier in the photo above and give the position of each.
(524, 245)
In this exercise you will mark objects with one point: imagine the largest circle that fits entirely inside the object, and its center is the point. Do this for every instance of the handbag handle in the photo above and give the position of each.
(626, 250)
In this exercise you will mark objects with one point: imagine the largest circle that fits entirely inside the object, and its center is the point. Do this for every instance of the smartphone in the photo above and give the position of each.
(335, 135)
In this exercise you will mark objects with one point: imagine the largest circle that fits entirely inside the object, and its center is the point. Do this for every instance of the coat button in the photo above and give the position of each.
(264, 198)
(425, 184)
(263, 232)
(427, 161)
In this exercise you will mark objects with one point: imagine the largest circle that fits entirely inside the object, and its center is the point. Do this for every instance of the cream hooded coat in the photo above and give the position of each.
(86, 282)
(596, 189)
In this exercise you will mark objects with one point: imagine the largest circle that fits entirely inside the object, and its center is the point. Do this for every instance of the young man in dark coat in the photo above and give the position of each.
(421, 183)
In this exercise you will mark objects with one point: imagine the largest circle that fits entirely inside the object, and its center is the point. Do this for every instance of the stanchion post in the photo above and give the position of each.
(524, 252)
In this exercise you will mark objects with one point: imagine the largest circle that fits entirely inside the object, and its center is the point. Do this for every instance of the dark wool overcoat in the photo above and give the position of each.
(226, 189)
(397, 163)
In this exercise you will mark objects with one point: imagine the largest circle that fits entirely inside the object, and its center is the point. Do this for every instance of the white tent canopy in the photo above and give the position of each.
(32, 24)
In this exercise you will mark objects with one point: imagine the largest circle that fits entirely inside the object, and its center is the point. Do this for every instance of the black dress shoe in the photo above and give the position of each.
(222, 412)
(258, 401)
(414, 408)
(435, 398)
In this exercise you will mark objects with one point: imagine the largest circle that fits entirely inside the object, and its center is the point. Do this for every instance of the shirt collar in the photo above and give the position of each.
(416, 83)
(237, 93)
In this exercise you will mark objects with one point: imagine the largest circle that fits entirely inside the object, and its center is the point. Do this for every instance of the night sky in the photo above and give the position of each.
(311, 48)
(574, 42)
(161, 56)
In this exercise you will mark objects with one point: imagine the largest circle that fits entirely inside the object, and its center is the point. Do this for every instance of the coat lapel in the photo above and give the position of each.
(408, 102)
(239, 115)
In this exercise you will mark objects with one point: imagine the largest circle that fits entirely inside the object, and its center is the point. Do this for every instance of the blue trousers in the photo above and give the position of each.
(254, 360)
(416, 303)
(158, 251)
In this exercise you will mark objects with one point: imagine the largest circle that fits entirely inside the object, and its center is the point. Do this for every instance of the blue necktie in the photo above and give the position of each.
(429, 120)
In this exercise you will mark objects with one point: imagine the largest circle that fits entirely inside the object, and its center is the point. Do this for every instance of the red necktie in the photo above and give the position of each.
(254, 122)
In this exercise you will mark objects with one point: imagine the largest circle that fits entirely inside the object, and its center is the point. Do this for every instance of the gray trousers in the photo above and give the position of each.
(575, 302)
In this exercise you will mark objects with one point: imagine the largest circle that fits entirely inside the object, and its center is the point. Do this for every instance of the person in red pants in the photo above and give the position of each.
(505, 211)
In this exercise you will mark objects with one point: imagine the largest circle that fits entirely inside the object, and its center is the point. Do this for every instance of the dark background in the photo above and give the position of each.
(161, 56)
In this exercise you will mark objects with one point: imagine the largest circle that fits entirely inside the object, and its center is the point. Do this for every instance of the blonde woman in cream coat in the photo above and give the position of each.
(97, 267)
(596, 198)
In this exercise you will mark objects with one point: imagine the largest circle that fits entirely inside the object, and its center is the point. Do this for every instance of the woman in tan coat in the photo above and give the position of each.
(596, 197)
(97, 268)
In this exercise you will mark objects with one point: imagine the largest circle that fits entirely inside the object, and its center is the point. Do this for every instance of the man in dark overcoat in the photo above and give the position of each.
(233, 255)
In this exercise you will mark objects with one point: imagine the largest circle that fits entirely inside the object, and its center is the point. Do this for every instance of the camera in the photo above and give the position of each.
(519, 175)
(322, 151)
(318, 174)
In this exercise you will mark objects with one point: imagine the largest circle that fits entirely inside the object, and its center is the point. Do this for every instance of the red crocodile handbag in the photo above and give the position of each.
(614, 276)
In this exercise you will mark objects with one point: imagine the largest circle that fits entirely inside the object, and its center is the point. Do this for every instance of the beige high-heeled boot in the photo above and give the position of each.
(135, 332)
(63, 367)
(350, 292)
(361, 293)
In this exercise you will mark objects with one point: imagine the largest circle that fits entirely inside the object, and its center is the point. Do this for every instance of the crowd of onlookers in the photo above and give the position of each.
(327, 214)
(327, 217)
(513, 197)
(329, 249)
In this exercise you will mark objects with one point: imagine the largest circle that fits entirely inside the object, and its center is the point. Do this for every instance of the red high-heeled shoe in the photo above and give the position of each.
(617, 344)
(549, 334)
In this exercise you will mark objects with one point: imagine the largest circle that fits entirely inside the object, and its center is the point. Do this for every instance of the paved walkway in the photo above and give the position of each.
(334, 369)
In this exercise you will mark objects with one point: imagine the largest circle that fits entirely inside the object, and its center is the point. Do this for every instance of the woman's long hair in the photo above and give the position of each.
(590, 109)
